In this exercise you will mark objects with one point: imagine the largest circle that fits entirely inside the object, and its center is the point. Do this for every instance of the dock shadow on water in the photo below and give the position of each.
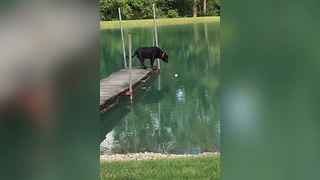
(177, 111)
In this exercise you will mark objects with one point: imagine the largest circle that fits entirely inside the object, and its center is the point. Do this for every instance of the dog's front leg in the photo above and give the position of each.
(151, 63)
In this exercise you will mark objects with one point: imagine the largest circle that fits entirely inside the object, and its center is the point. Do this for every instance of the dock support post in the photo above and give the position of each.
(130, 66)
(122, 38)
(155, 31)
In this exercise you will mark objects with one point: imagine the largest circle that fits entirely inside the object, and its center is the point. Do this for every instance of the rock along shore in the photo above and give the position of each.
(150, 156)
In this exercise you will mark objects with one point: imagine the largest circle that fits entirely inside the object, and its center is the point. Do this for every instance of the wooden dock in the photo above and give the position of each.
(118, 83)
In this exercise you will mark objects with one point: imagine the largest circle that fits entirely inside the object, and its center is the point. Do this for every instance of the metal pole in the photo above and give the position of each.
(159, 107)
(130, 65)
(159, 114)
(155, 30)
(122, 38)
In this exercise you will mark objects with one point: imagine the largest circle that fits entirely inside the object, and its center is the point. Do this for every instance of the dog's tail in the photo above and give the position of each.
(135, 53)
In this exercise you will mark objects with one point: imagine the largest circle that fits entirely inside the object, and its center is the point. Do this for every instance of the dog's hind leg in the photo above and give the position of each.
(141, 59)
(142, 63)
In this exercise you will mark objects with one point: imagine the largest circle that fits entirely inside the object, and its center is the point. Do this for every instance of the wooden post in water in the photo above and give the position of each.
(130, 66)
(122, 38)
(155, 31)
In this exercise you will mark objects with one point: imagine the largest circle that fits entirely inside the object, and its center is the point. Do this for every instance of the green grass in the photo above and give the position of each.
(205, 167)
(160, 22)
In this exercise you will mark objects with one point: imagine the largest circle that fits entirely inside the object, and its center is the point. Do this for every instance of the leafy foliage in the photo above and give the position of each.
(173, 13)
(142, 9)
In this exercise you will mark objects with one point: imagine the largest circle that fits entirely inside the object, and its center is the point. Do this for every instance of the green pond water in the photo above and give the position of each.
(168, 114)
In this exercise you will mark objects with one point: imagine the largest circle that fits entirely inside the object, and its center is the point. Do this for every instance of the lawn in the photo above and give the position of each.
(160, 22)
(204, 167)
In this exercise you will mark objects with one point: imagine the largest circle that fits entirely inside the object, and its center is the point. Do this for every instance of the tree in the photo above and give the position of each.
(194, 8)
(142, 9)
(204, 6)
(213, 8)
(217, 6)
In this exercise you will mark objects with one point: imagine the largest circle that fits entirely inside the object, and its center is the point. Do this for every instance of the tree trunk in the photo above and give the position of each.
(194, 10)
(204, 6)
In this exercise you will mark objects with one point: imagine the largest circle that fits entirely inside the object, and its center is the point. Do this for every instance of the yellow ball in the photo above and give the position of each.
(175, 75)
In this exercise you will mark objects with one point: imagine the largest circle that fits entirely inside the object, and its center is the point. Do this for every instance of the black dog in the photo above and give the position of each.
(151, 53)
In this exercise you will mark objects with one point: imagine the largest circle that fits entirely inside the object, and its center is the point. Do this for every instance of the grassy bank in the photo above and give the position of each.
(160, 22)
(205, 167)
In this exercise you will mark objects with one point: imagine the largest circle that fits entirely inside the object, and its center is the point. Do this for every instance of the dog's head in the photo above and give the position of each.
(164, 57)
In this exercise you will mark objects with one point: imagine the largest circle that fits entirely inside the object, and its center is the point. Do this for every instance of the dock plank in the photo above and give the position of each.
(118, 82)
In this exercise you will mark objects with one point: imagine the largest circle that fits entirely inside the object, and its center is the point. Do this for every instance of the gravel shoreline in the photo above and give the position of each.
(150, 156)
